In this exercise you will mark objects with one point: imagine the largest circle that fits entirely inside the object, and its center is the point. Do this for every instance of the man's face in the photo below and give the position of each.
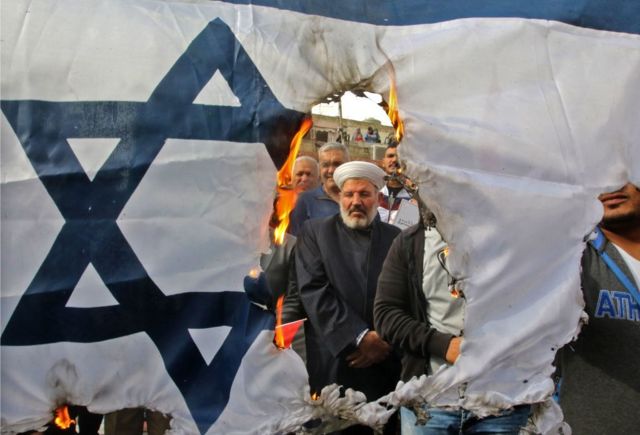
(329, 161)
(305, 176)
(358, 203)
(621, 207)
(390, 161)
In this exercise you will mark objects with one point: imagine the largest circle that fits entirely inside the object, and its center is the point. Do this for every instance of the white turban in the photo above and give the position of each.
(357, 169)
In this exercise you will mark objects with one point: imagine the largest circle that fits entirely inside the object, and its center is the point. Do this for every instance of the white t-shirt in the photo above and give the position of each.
(387, 214)
(632, 263)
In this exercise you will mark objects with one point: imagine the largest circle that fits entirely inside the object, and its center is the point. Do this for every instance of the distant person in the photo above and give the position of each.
(393, 192)
(323, 200)
(390, 138)
(370, 136)
(338, 260)
(357, 137)
(342, 136)
(305, 174)
(600, 387)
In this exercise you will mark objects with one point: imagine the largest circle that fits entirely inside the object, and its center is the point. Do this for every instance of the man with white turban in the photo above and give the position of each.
(338, 260)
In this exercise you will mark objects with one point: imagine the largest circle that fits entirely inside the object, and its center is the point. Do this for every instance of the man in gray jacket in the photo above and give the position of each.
(600, 389)
(417, 312)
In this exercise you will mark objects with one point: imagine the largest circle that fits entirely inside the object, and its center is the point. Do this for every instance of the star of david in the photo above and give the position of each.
(90, 208)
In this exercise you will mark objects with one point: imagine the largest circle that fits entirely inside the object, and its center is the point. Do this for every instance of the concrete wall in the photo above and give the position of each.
(326, 127)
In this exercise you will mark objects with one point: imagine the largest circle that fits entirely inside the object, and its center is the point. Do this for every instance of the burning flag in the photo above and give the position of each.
(393, 110)
(286, 195)
(284, 333)
(140, 141)
(62, 418)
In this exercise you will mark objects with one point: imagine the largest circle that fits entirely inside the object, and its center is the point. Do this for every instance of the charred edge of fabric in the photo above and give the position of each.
(358, 88)
(317, 37)
(351, 80)
(421, 413)
(61, 379)
(462, 391)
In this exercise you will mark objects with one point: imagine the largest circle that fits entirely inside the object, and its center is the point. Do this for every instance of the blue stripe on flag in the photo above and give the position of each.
(90, 234)
(613, 15)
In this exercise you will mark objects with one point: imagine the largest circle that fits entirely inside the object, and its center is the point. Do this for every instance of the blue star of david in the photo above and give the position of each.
(90, 233)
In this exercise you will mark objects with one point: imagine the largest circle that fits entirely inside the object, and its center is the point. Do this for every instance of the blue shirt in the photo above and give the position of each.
(310, 205)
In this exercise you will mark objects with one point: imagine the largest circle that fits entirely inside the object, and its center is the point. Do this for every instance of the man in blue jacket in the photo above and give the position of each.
(323, 200)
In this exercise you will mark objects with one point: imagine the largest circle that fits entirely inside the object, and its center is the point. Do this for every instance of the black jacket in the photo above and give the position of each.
(400, 309)
(339, 303)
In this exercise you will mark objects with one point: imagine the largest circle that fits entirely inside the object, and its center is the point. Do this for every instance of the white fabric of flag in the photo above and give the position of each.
(140, 141)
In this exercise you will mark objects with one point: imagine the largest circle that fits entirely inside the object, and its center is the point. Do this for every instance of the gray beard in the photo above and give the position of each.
(357, 223)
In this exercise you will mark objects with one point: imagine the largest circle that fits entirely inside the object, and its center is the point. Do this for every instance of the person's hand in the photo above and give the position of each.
(453, 351)
(371, 350)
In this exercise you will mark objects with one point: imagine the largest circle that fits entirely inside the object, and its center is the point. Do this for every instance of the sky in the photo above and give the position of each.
(356, 108)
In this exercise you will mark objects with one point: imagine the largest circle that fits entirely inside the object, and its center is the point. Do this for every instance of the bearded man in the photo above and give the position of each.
(393, 192)
(338, 260)
(600, 386)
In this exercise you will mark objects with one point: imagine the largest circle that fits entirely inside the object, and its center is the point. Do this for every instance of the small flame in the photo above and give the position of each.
(286, 194)
(393, 113)
(315, 396)
(254, 272)
(62, 418)
(278, 337)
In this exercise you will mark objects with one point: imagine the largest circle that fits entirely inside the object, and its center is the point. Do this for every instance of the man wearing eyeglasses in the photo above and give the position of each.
(323, 201)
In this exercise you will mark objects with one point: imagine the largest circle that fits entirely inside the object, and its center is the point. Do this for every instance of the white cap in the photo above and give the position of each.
(358, 169)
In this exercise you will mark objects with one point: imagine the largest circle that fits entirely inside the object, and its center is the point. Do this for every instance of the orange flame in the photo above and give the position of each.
(393, 113)
(315, 396)
(254, 272)
(286, 194)
(278, 337)
(62, 418)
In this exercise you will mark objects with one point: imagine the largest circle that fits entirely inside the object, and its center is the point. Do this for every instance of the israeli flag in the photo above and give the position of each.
(140, 142)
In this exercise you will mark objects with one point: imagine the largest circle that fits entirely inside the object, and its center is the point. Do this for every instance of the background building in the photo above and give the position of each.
(329, 128)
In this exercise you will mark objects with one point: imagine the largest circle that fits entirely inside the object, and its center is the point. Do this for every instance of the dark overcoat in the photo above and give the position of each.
(337, 285)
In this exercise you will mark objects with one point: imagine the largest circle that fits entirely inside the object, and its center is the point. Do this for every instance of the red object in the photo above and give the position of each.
(289, 331)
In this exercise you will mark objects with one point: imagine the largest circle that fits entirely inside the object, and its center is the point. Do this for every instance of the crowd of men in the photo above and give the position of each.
(379, 307)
